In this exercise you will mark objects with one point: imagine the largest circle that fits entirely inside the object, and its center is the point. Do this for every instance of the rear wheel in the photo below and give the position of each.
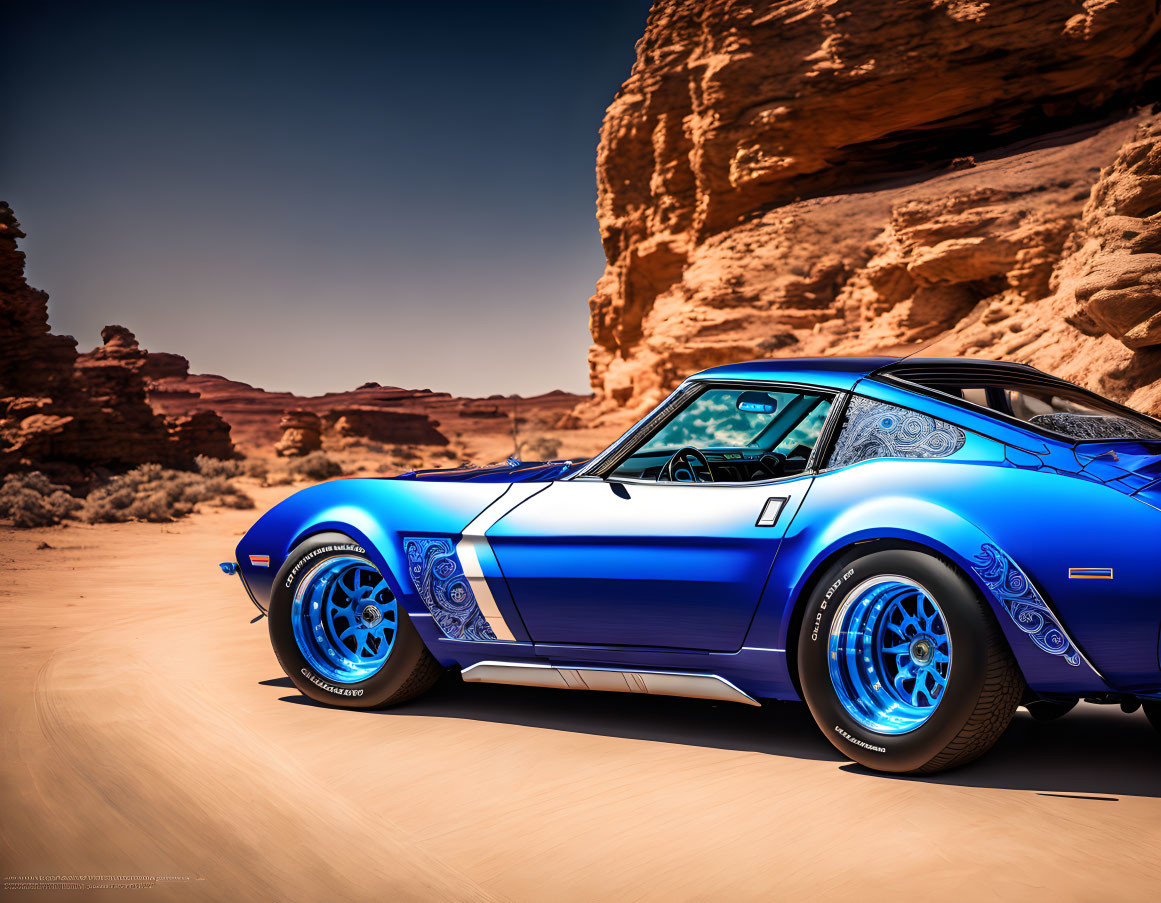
(338, 631)
(903, 665)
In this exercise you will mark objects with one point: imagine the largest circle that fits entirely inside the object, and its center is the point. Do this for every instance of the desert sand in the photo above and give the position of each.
(147, 730)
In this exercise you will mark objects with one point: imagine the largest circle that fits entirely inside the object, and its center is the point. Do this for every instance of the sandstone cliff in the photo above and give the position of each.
(72, 415)
(851, 176)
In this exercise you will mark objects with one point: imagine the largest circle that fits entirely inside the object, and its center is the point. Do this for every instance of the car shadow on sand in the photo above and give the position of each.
(1093, 752)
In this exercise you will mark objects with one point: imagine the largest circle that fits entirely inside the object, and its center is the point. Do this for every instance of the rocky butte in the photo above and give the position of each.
(857, 176)
(74, 416)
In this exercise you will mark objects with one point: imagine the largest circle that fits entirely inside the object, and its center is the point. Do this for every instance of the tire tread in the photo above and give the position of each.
(423, 677)
(1003, 688)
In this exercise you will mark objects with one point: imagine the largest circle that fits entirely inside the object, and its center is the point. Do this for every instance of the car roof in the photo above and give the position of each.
(844, 372)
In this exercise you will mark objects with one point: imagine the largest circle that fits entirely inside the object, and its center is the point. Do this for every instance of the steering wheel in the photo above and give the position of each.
(685, 454)
(774, 463)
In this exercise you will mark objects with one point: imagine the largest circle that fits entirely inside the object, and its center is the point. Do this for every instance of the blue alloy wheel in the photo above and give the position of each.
(889, 654)
(344, 619)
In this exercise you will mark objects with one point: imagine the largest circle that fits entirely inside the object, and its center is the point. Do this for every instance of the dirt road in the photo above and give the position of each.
(148, 731)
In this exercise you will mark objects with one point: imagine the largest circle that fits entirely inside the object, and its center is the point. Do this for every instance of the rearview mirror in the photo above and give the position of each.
(757, 403)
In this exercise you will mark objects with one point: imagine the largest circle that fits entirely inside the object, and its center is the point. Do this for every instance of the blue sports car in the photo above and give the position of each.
(914, 547)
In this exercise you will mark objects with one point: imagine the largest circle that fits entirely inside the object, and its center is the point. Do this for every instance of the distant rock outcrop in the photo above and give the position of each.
(393, 427)
(301, 434)
(67, 414)
(849, 176)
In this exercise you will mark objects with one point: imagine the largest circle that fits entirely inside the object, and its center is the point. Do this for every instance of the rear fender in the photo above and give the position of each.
(812, 545)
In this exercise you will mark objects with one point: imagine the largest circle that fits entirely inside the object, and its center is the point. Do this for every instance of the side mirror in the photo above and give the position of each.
(757, 403)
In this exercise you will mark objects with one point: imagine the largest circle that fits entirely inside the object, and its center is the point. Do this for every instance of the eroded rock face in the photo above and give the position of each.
(72, 415)
(1116, 260)
(852, 176)
(388, 427)
(301, 433)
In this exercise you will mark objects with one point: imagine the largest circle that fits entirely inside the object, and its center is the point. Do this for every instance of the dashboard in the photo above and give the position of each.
(733, 465)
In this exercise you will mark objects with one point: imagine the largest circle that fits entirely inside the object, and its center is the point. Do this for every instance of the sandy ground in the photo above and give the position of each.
(147, 730)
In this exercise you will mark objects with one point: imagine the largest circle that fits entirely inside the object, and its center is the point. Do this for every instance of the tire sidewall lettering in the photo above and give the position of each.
(825, 601)
(319, 682)
(314, 553)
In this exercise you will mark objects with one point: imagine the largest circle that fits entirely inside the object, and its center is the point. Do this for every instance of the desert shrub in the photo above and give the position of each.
(152, 493)
(258, 468)
(315, 466)
(540, 448)
(31, 500)
(215, 467)
(362, 443)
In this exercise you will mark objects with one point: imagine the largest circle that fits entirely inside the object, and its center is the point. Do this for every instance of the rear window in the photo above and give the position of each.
(1040, 401)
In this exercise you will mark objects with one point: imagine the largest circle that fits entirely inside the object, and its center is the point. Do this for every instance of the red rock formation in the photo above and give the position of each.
(301, 434)
(388, 427)
(69, 414)
(254, 414)
(849, 175)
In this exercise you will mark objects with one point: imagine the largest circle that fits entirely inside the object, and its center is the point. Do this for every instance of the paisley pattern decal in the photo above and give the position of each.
(439, 579)
(875, 429)
(1023, 603)
(1093, 426)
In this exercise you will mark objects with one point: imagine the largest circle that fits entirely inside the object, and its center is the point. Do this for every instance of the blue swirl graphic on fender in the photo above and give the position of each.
(439, 579)
(1023, 603)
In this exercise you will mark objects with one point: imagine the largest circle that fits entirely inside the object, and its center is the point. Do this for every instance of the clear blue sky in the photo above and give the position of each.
(307, 196)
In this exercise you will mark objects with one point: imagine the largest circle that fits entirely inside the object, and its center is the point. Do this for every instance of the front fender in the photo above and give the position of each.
(374, 513)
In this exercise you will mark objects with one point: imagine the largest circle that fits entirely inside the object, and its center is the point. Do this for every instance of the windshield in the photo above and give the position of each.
(713, 420)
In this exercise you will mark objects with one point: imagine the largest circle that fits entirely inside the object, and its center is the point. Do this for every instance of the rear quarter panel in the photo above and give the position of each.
(1046, 522)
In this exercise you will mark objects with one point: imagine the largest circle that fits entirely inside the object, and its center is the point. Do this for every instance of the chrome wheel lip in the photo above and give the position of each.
(862, 691)
(327, 614)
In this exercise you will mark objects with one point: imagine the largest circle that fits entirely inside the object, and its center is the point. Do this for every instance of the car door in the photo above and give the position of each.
(607, 562)
(629, 561)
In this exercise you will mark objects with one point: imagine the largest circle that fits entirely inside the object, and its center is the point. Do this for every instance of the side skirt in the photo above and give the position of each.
(656, 683)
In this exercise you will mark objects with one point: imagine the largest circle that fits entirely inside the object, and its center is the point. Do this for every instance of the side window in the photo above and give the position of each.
(875, 429)
(738, 435)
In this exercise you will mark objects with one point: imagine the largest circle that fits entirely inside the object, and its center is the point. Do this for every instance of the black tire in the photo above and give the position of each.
(1153, 713)
(983, 686)
(410, 670)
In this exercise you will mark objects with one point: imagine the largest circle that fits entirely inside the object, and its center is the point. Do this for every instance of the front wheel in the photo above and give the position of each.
(338, 631)
(903, 665)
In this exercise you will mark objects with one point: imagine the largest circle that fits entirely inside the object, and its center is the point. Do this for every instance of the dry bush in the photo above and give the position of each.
(258, 468)
(152, 493)
(362, 443)
(215, 467)
(540, 448)
(316, 466)
(31, 500)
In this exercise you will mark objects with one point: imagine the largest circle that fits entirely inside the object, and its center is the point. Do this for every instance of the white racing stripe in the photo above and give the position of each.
(474, 539)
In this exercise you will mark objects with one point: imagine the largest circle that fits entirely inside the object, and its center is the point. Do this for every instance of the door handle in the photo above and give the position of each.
(770, 512)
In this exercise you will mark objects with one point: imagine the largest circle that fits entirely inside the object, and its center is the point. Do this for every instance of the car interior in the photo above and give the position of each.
(1038, 400)
(732, 435)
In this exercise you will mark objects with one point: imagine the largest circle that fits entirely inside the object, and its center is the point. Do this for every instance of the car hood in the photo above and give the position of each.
(512, 472)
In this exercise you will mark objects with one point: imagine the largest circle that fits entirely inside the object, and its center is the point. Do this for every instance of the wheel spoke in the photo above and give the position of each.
(873, 639)
(328, 620)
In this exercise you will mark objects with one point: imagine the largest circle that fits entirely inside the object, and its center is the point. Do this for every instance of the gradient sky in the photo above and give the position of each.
(307, 196)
